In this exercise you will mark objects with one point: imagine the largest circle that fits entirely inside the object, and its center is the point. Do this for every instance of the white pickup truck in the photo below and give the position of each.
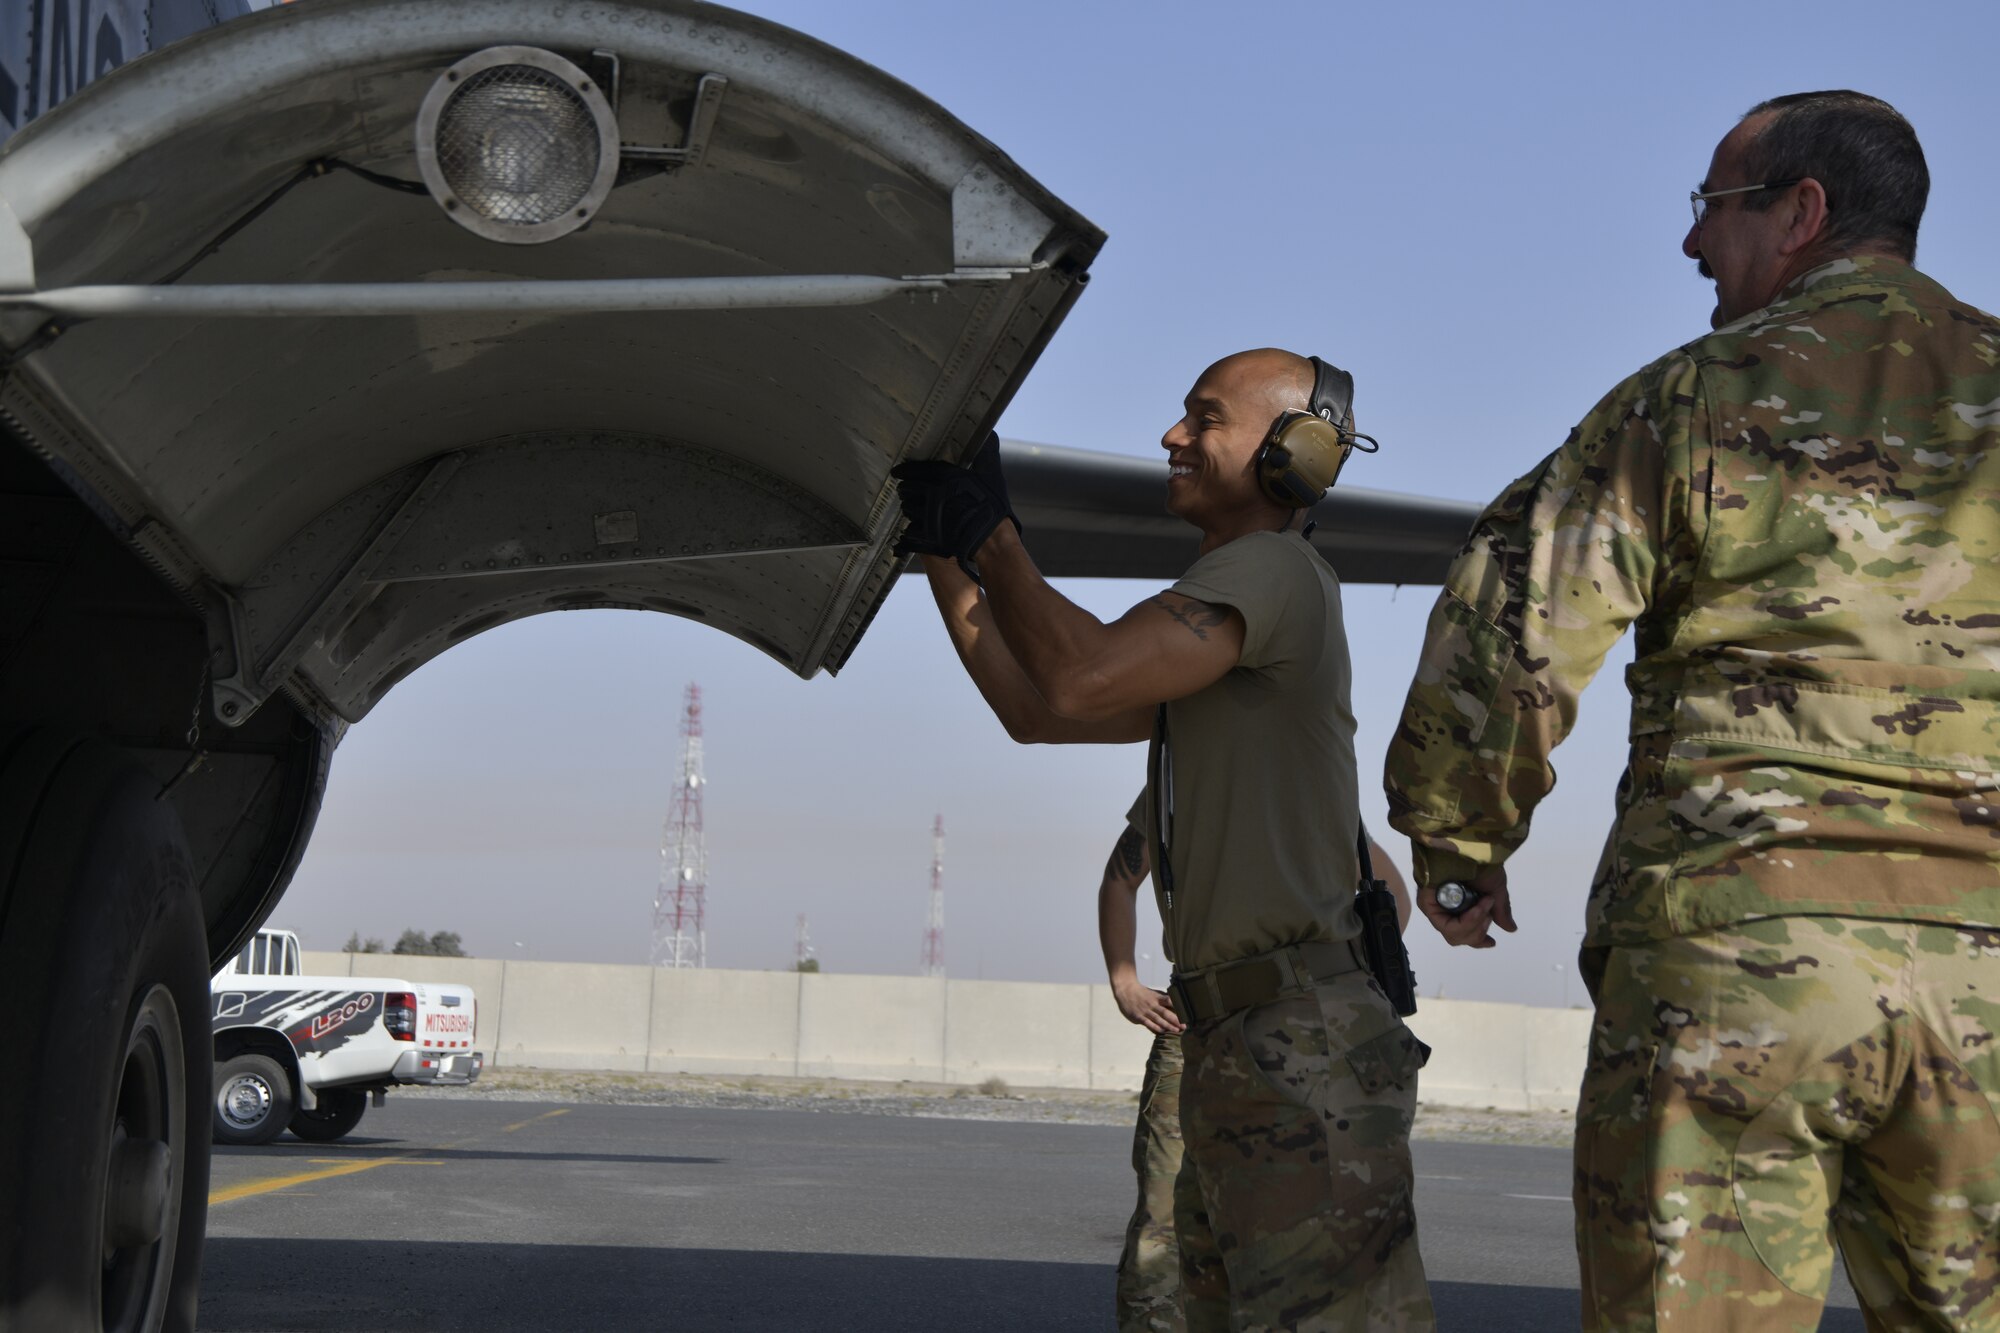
(304, 1053)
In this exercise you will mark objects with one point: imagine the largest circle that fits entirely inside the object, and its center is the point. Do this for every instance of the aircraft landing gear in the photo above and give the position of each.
(104, 1144)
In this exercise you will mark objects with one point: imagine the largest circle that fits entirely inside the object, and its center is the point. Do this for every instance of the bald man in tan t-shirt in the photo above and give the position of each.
(1300, 1080)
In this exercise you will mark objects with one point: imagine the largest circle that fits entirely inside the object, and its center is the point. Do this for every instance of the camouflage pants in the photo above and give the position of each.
(1149, 1270)
(1293, 1208)
(1755, 1092)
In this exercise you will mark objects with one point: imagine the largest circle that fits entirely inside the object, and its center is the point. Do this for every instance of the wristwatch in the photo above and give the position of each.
(1454, 896)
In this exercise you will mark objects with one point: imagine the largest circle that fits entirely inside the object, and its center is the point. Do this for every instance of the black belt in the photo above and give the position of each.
(1243, 983)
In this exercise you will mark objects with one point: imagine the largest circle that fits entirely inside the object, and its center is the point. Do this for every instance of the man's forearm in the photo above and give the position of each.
(1118, 927)
(990, 661)
(983, 653)
(1117, 906)
(1551, 575)
(1052, 638)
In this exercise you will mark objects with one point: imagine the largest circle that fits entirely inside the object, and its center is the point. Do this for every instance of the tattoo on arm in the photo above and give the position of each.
(1199, 617)
(1130, 853)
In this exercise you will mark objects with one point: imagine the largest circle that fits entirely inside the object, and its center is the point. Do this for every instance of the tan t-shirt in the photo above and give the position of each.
(1265, 798)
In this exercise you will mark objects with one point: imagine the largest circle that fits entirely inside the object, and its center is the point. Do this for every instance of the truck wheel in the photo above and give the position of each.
(253, 1099)
(339, 1111)
(104, 984)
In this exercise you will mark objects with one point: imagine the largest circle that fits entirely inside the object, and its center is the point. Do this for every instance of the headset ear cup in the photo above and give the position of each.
(1271, 470)
(1274, 462)
(1301, 459)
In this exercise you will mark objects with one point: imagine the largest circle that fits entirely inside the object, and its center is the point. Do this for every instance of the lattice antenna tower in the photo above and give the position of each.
(933, 957)
(802, 951)
(680, 904)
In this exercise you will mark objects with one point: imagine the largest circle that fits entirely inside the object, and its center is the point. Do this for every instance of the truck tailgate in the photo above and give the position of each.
(447, 1017)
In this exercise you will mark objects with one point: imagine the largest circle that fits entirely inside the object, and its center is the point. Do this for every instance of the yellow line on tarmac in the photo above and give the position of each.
(270, 1183)
(546, 1115)
(349, 1168)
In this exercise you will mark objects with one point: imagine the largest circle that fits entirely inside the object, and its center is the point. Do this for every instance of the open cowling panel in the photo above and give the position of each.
(250, 324)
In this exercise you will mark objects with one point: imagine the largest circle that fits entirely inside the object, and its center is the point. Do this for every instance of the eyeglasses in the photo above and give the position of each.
(1698, 199)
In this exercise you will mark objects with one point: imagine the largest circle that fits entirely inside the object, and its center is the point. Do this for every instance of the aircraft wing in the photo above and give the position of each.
(1087, 514)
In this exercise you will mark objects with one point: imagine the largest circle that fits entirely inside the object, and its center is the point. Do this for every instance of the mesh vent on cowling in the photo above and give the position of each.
(518, 145)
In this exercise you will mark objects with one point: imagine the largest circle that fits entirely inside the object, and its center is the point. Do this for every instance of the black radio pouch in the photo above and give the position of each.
(1382, 936)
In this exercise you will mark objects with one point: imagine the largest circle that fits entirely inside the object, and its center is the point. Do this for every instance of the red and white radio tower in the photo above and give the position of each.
(933, 959)
(680, 904)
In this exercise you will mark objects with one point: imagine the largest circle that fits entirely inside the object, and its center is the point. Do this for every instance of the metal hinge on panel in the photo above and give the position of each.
(701, 123)
(993, 226)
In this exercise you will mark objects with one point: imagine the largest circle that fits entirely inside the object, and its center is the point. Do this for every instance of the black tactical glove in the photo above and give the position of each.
(952, 510)
(985, 465)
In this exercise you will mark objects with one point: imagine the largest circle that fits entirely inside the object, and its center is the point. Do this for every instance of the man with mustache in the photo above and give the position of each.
(1791, 938)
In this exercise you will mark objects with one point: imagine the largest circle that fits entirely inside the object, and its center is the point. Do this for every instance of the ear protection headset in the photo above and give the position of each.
(1305, 450)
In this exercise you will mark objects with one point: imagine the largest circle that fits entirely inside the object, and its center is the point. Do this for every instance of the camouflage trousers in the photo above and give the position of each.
(1293, 1206)
(1756, 1092)
(1149, 1268)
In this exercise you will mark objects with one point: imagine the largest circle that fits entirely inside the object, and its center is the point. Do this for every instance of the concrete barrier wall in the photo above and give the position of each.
(871, 1027)
(708, 1021)
(924, 1029)
(1507, 1056)
(563, 1016)
(1022, 1032)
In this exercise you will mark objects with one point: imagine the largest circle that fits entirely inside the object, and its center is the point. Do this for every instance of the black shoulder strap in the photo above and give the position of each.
(1163, 808)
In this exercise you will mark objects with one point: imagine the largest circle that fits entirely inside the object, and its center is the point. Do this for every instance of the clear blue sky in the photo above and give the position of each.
(1475, 208)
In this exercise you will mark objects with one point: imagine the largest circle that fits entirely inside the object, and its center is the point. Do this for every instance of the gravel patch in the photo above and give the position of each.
(992, 1100)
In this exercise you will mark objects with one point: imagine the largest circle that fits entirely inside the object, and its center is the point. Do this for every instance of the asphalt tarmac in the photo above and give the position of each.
(447, 1215)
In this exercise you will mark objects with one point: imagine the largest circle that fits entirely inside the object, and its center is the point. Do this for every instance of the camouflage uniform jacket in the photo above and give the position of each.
(1800, 513)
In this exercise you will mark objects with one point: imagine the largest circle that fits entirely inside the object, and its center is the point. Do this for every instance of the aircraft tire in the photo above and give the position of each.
(104, 1034)
(339, 1111)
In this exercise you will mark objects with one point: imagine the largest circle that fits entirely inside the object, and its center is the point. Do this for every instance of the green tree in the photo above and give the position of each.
(355, 944)
(806, 965)
(438, 944)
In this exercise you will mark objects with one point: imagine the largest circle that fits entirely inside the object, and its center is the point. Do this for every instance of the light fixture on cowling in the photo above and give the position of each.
(517, 144)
